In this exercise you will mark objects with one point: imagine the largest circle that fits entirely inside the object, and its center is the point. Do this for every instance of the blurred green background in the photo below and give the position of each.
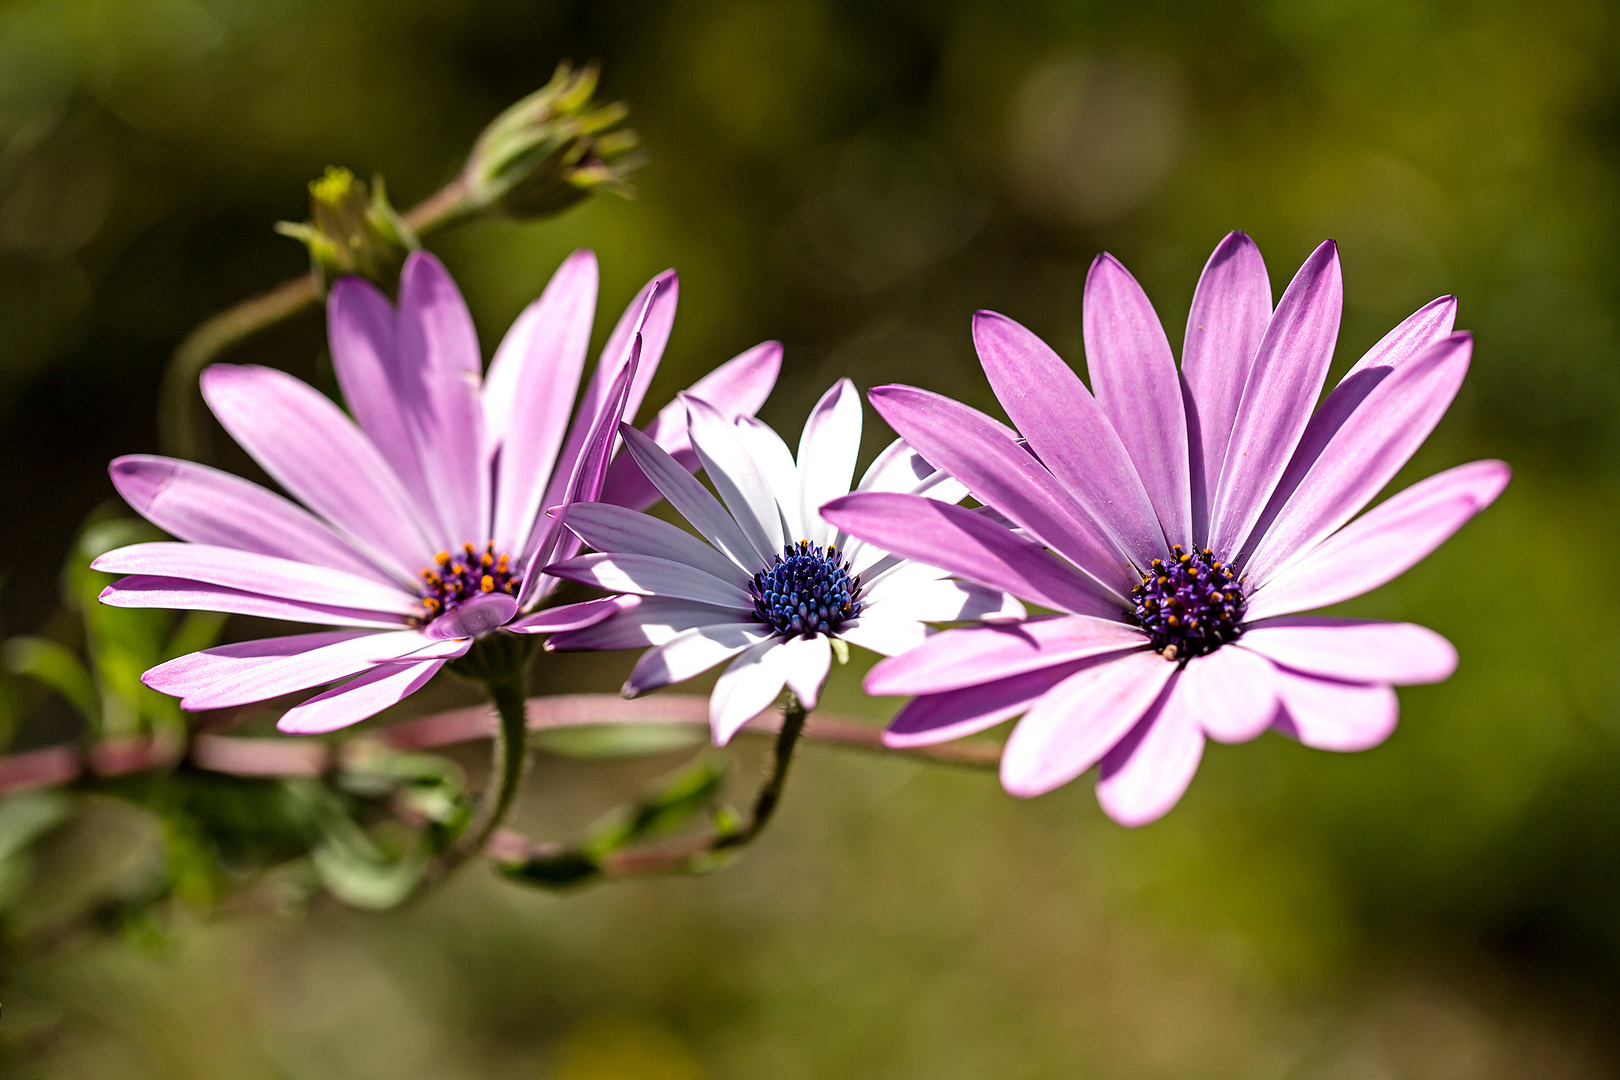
(855, 179)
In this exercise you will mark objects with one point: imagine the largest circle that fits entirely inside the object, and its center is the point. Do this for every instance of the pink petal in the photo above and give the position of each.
(358, 699)
(530, 394)
(1230, 310)
(1383, 543)
(648, 575)
(967, 656)
(140, 591)
(736, 388)
(205, 506)
(476, 616)
(1000, 473)
(931, 719)
(316, 453)
(1149, 770)
(1134, 378)
(1332, 715)
(198, 671)
(1283, 385)
(573, 616)
(1365, 454)
(1229, 693)
(748, 687)
(1071, 433)
(1354, 650)
(1069, 729)
(972, 546)
(252, 572)
(239, 683)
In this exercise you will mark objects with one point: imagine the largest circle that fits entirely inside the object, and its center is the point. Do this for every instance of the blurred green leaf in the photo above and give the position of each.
(197, 630)
(661, 812)
(54, 665)
(617, 740)
(25, 818)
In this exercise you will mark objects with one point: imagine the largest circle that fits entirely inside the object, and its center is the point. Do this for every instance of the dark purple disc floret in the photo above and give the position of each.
(1189, 604)
(807, 591)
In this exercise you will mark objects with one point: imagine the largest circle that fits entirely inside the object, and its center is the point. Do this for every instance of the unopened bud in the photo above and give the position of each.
(551, 150)
(352, 231)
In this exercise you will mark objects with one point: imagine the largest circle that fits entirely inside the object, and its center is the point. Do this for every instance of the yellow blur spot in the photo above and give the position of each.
(621, 1048)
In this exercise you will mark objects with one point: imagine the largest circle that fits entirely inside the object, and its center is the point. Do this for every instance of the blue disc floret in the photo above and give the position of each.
(807, 591)
(1189, 604)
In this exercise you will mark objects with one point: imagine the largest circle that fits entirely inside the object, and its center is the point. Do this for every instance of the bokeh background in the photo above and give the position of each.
(855, 179)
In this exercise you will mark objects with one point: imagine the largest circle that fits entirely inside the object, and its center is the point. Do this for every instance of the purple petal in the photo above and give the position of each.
(1149, 770)
(747, 688)
(647, 575)
(954, 659)
(1229, 693)
(1069, 729)
(1070, 432)
(1230, 310)
(642, 621)
(1134, 378)
(617, 530)
(479, 615)
(205, 506)
(530, 394)
(139, 591)
(931, 719)
(805, 663)
(1383, 543)
(1283, 385)
(1364, 455)
(690, 498)
(983, 455)
(241, 683)
(358, 699)
(362, 328)
(196, 672)
(827, 452)
(573, 616)
(316, 453)
(252, 572)
(1353, 650)
(736, 388)
(689, 653)
(971, 546)
(1330, 715)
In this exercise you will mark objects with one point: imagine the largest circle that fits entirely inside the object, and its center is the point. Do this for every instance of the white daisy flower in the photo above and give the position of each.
(766, 583)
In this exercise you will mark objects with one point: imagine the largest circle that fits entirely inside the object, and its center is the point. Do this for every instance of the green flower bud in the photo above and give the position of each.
(551, 150)
(352, 231)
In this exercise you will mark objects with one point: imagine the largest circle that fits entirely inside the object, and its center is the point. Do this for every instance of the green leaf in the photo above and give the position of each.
(198, 630)
(24, 819)
(660, 812)
(617, 740)
(54, 665)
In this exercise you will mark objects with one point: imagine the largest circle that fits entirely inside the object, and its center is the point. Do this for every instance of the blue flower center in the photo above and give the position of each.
(452, 580)
(1189, 604)
(807, 591)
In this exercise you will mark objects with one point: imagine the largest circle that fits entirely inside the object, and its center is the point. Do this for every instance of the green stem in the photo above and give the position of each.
(511, 755)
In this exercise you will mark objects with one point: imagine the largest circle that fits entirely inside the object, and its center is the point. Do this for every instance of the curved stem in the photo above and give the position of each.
(793, 717)
(506, 776)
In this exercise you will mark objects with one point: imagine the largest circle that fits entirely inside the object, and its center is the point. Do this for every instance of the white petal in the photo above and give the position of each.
(884, 636)
(806, 662)
(737, 477)
(690, 652)
(827, 451)
(774, 458)
(747, 688)
(612, 529)
(691, 500)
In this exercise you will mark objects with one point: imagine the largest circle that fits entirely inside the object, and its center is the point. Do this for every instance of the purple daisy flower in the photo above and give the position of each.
(1180, 522)
(424, 526)
(766, 584)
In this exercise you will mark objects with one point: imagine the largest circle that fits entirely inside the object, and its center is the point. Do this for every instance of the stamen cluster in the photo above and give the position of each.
(1189, 604)
(807, 591)
(453, 580)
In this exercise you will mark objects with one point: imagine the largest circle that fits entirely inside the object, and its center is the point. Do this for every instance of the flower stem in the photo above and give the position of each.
(510, 756)
(770, 794)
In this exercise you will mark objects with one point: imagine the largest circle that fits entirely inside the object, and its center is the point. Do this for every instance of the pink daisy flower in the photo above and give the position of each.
(425, 525)
(1179, 523)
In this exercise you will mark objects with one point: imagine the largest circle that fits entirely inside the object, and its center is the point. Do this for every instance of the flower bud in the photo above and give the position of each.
(352, 231)
(551, 150)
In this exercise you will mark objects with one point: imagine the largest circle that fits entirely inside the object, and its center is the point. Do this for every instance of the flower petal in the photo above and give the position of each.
(578, 616)
(805, 663)
(205, 506)
(180, 594)
(943, 600)
(1080, 719)
(358, 699)
(884, 635)
(196, 672)
(827, 451)
(931, 719)
(252, 572)
(746, 689)
(1148, 771)
(736, 388)
(1383, 543)
(530, 394)
(973, 547)
(1354, 650)
(983, 455)
(775, 460)
(1364, 455)
(1071, 433)
(1134, 379)
(690, 499)
(1229, 693)
(316, 454)
(615, 529)
(648, 575)
(740, 482)
(437, 382)
(243, 684)
(690, 652)
(644, 620)
(479, 615)
(1283, 385)
(1331, 715)
(1230, 310)
(953, 659)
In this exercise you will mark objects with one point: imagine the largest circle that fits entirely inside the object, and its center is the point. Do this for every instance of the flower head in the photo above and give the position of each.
(766, 583)
(422, 524)
(1179, 522)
